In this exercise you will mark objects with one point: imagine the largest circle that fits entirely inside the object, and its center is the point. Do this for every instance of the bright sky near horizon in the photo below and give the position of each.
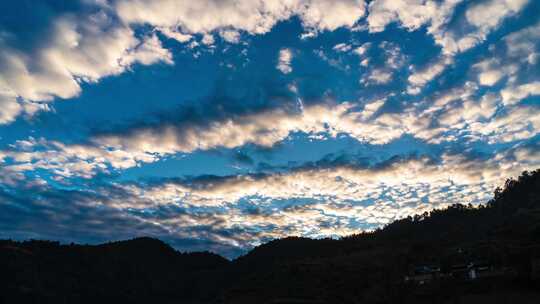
(220, 124)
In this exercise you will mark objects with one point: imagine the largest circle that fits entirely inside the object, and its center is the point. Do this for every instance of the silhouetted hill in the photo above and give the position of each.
(132, 271)
(435, 251)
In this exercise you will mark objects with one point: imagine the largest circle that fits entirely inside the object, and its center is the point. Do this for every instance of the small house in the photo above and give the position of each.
(423, 274)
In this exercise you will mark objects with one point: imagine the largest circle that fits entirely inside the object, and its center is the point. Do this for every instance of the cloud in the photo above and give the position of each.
(482, 18)
(490, 71)
(329, 15)
(284, 61)
(79, 49)
(252, 17)
(511, 62)
(378, 76)
(489, 78)
(300, 201)
(488, 14)
(464, 114)
(361, 50)
(411, 14)
(522, 44)
(263, 128)
(9, 108)
(466, 138)
(342, 47)
(514, 94)
(458, 115)
(176, 35)
(517, 123)
(122, 150)
(392, 60)
(338, 183)
(230, 36)
(65, 161)
(86, 217)
(149, 52)
(418, 79)
(93, 44)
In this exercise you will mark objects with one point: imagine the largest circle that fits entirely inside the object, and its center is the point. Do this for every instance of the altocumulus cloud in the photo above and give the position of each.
(89, 47)
(236, 212)
(422, 103)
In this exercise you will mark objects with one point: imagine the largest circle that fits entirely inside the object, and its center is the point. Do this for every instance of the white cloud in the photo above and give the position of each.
(150, 144)
(378, 76)
(9, 108)
(284, 61)
(490, 71)
(371, 196)
(484, 17)
(230, 36)
(394, 58)
(419, 78)
(521, 45)
(263, 129)
(199, 17)
(361, 50)
(208, 39)
(510, 60)
(518, 123)
(457, 115)
(252, 16)
(79, 49)
(148, 52)
(490, 77)
(383, 73)
(488, 14)
(372, 108)
(86, 48)
(342, 47)
(468, 111)
(364, 62)
(66, 161)
(514, 94)
(336, 199)
(175, 34)
(461, 115)
(329, 15)
(412, 14)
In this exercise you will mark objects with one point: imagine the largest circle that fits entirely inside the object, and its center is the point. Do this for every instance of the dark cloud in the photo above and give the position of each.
(27, 24)
(79, 216)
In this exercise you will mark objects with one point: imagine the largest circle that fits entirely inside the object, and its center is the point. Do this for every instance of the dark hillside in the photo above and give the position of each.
(131, 271)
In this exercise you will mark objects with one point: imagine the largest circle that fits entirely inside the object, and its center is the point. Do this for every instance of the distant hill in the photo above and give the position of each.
(503, 236)
(133, 271)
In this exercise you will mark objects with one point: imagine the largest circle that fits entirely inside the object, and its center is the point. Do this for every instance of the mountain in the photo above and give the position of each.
(133, 271)
(461, 254)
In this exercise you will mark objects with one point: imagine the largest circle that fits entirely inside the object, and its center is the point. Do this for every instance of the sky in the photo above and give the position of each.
(220, 125)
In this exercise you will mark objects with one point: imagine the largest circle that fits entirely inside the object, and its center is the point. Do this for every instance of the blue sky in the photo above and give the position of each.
(218, 125)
